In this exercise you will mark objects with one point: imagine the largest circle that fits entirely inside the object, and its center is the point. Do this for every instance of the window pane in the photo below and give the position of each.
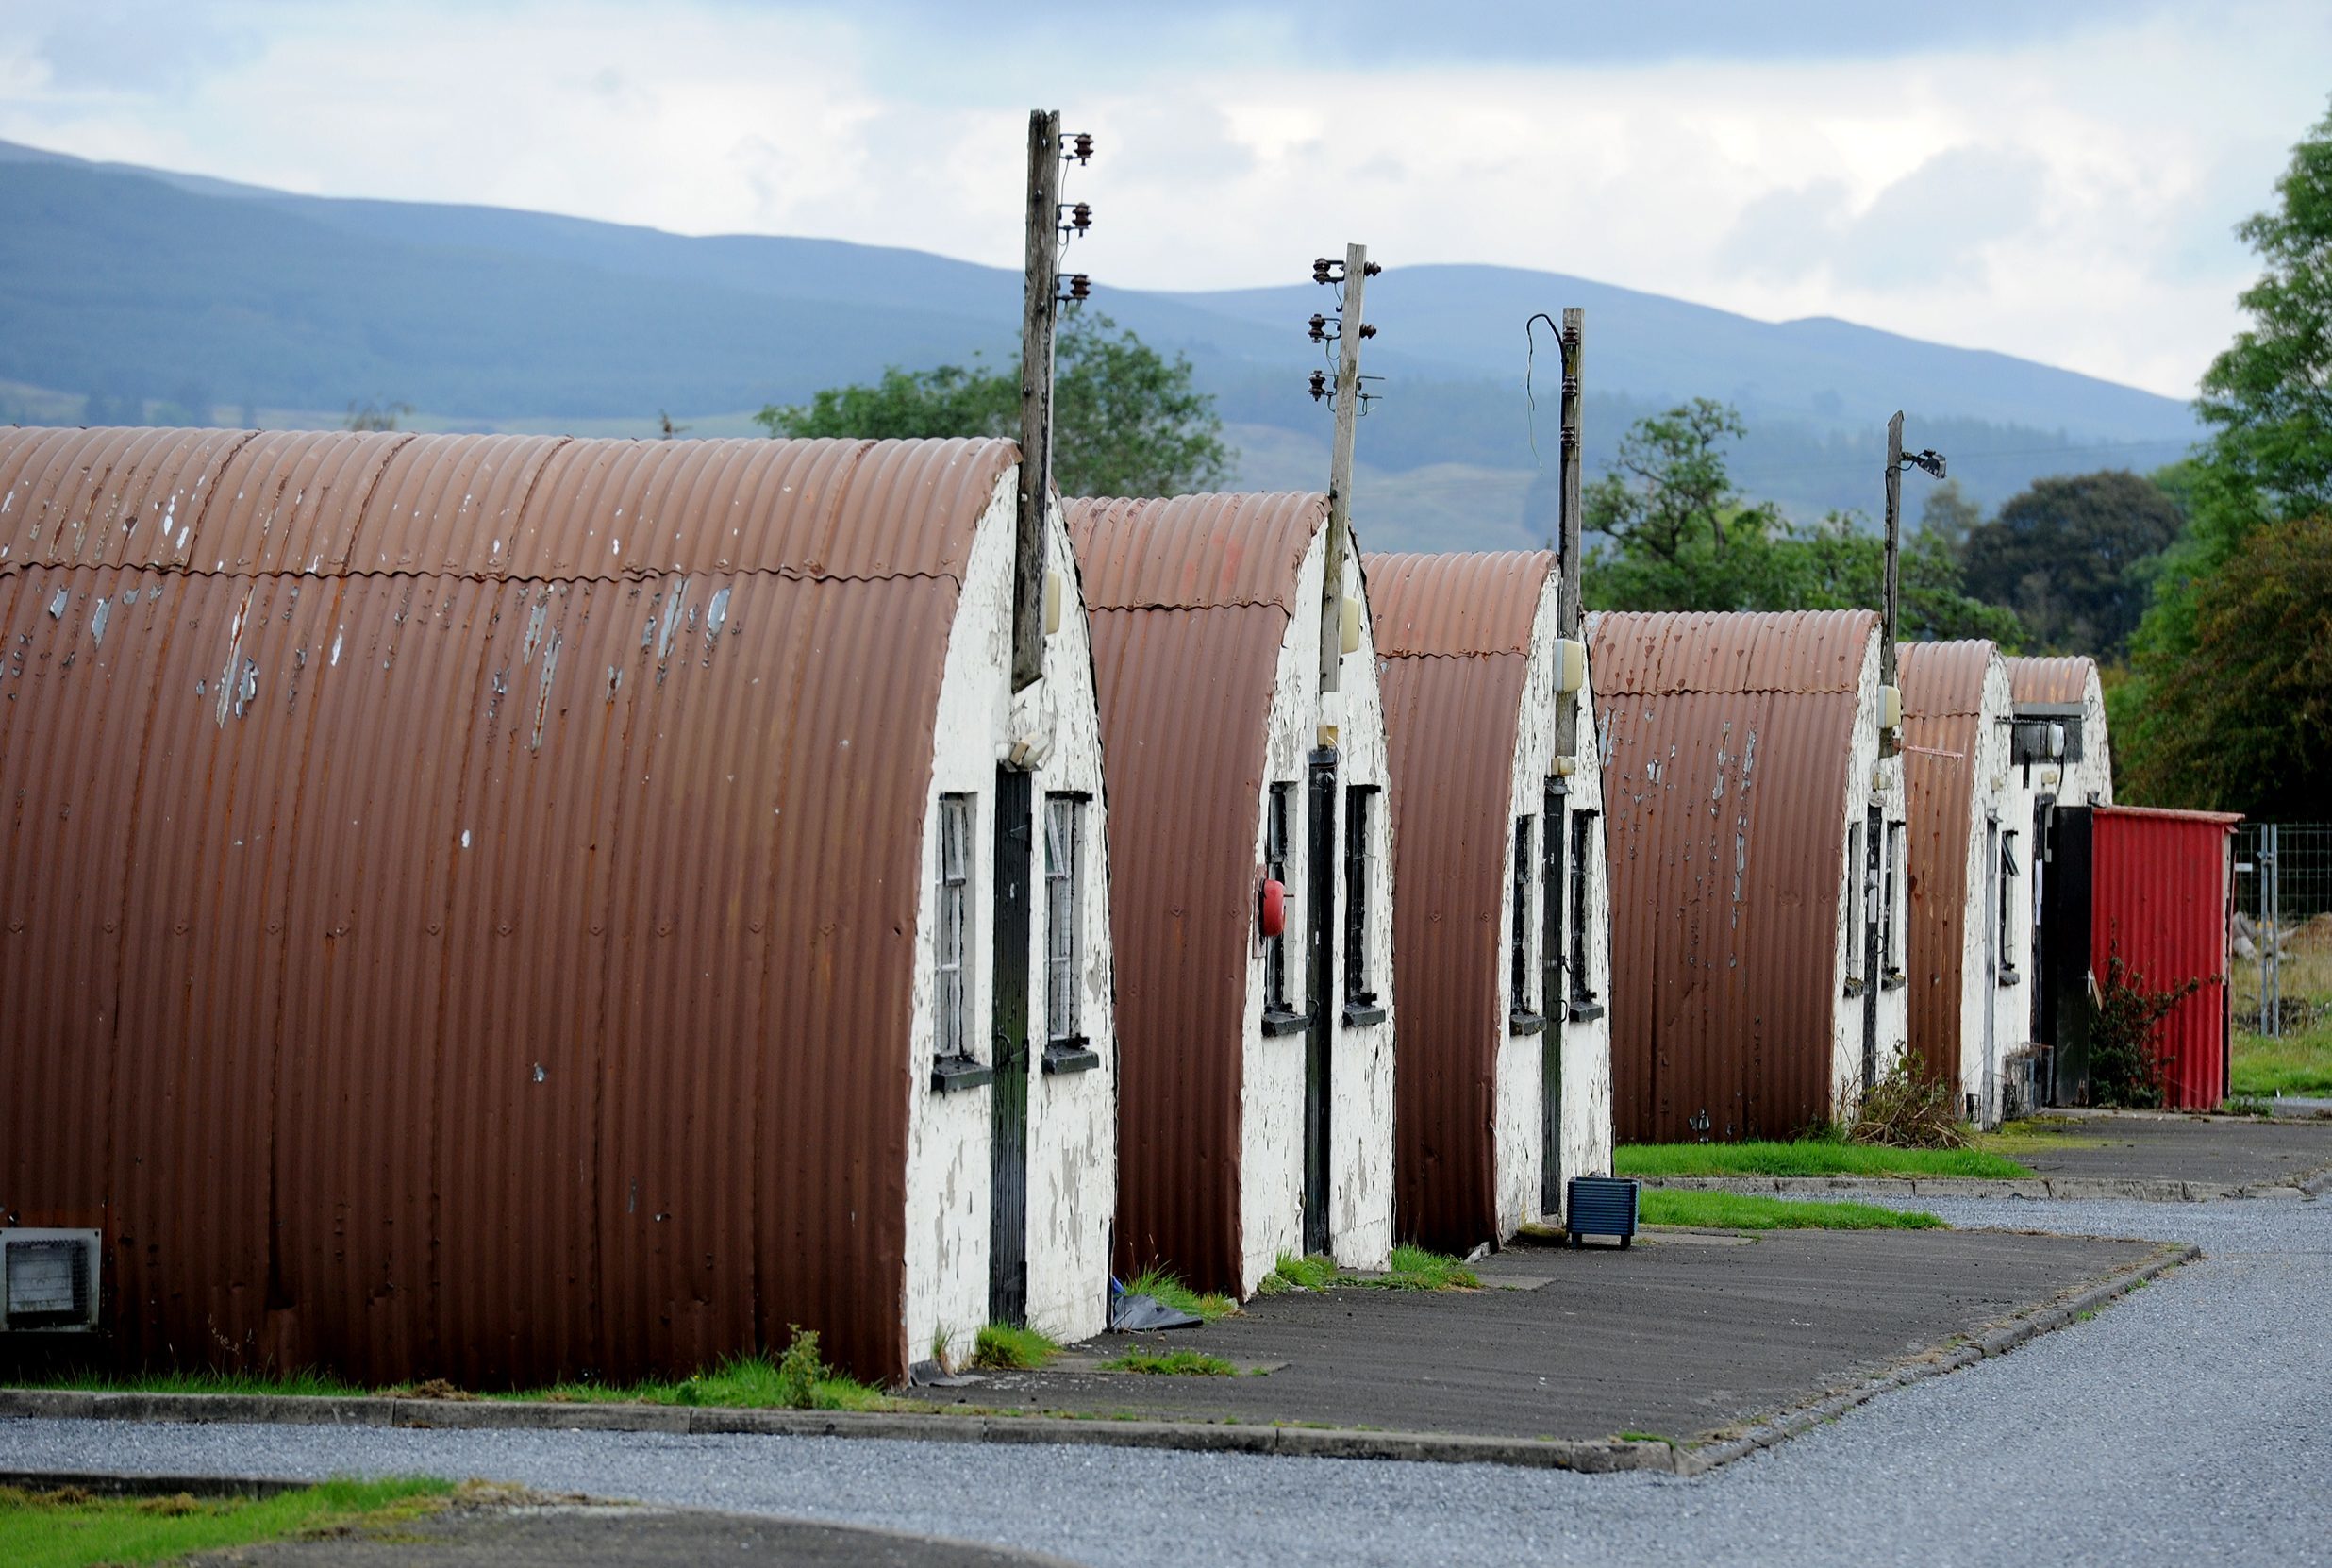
(1357, 971)
(1582, 846)
(1063, 915)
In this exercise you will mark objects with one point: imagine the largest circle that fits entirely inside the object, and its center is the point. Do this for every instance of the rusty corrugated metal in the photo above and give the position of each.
(1453, 637)
(2063, 677)
(2160, 887)
(1190, 601)
(1943, 721)
(1726, 742)
(437, 943)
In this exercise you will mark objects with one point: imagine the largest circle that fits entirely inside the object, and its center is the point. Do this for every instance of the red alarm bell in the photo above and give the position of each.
(1271, 906)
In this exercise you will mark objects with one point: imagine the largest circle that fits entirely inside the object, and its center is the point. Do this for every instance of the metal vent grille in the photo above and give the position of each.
(48, 1278)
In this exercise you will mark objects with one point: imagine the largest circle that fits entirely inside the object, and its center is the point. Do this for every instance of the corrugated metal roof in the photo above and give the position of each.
(2059, 678)
(1457, 605)
(1725, 741)
(1194, 552)
(1454, 634)
(1943, 719)
(546, 507)
(1190, 601)
(421, 967)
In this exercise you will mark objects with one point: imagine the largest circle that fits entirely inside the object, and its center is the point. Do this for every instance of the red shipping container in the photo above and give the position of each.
(2160, 890)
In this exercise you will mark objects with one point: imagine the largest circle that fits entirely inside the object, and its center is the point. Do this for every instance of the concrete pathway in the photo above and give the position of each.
(2192, 1421)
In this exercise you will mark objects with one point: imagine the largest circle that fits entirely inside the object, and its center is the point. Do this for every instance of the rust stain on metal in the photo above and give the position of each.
(1190, 601)
(1726, 741)
(1943, 721)
(1454, 633)
(357, 1020)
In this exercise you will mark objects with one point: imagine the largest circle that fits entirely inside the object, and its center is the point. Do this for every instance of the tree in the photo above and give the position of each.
(2254, 699)
(2268, 463)
(1127, 421)
(2074, 557)
(1950, 516)
(1679, 536)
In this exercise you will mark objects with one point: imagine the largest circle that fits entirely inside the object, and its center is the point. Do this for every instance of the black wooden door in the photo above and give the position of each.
(1008, 1204)
(1554, 999)
(1874, 888)
(1320, 872)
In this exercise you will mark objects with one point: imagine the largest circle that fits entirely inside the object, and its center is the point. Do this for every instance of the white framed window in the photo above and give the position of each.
(959, 813)
(1281, 807)
(1856, 876)
(1065, 917)
(1890, 945)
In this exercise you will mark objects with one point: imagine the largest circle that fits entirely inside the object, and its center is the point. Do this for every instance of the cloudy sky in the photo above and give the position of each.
(2055, 178)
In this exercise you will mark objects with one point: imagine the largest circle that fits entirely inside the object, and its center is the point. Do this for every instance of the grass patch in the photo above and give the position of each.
(1005, 1347)
(301, 1384)
(1169, 1289)
(797, 1380)
(1316, 1273)
(1415, 1269)
(1170, 1363)
(69, 1529)
(1807, 1157)
(1747, 1212)
(2296, 1064)
(1646, 1437)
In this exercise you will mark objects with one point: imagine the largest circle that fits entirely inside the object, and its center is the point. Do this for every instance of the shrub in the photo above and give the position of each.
(2125, 1067)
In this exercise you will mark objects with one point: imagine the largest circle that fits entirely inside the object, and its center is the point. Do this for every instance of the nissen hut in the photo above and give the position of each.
(2060, 722)
(1251, 885)
(1970, 912)
(513, 908)
(1755, 835)
(1502, 936)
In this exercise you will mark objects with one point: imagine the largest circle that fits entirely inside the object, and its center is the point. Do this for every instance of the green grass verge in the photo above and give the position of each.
(1170, 1363)
(796, 1380)
(1808, 1156)
(2296, 1064)
(1005, 1347)
(303, 1384)
(1748, 1211)
(1169, 1289)
(69, 1529)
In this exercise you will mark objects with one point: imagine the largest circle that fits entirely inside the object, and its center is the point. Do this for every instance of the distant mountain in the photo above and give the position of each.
(168, 295)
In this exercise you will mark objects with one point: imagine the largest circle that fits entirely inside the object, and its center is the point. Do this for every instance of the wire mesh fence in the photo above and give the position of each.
(2282, 976)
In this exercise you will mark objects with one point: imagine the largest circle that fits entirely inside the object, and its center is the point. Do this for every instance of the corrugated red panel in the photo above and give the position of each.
(1191, 602)
(2159, 885)
(436, 970)
(1943, 719)
(1454, 634)
(1726, 743)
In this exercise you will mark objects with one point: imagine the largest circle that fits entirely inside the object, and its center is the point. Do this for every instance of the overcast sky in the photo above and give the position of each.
(2055, 179)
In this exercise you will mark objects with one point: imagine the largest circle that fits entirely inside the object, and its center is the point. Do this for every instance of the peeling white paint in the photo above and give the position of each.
(1071, 1117)
(1893, 1009)
(1584, 1129)
(97, 618)
(1271, 1196)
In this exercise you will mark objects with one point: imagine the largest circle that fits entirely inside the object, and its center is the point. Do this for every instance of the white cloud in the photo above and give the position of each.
(2065, 195)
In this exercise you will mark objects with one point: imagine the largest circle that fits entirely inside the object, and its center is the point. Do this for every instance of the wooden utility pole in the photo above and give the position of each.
(1895, 550)
(1339, 470)
(1040, 315)
(1568, 617)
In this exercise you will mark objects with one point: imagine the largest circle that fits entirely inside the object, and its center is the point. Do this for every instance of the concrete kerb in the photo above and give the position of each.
(1592, 1456)
(2062, 1189)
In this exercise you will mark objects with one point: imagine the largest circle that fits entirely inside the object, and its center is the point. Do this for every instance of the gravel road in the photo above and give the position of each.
(2193, 1421)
